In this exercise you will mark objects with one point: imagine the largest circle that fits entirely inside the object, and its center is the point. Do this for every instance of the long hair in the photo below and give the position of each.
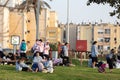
(94, 42)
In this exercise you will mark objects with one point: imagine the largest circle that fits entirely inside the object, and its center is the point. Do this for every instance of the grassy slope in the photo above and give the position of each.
(61, 73)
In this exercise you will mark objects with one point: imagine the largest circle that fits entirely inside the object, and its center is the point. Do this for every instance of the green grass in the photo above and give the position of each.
(61, 73)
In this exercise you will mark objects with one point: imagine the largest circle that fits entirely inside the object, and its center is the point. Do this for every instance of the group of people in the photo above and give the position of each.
(6, 59)
(39, 46)
(41, 59)
(39, 64)
(111, 58)
(42, 62)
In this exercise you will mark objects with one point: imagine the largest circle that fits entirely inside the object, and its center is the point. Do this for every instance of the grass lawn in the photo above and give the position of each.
(61, 73)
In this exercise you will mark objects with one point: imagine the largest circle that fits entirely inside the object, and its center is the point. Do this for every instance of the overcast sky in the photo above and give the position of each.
(80, 12)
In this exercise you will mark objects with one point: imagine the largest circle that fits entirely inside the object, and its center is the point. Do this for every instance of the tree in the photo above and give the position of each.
(113, 3)
(26, 5)
(38, 5)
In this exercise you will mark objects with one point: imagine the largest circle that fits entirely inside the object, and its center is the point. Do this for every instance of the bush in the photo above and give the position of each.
(54, 46)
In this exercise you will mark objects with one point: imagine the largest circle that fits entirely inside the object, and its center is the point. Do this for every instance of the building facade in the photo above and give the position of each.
(72, 34)
(107, 36)
(4, 27)
(24, 25)
(84, 32)
(53, 33)
(17, 25)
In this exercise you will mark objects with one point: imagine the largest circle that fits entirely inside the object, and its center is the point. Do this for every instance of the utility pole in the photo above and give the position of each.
(67, 21)
(23, 26)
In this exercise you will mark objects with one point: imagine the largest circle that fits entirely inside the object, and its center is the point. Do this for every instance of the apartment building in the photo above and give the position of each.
(24, 25)
(85, 32)
(53, 33)
(107, 35)
(17, 25)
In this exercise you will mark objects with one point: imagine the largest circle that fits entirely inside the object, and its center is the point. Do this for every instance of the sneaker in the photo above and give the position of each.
(44, 71)
(94, 67)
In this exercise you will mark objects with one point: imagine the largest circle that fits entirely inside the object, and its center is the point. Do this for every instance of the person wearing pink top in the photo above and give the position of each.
(46, 49)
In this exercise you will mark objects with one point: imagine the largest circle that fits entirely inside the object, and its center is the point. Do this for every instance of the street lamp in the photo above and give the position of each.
(67, 21)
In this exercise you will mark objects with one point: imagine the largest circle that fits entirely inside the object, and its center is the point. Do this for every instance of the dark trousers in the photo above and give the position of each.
(66, 60)
(110, 63)
(23, 55)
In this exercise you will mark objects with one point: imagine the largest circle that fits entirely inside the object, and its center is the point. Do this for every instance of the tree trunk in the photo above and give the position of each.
(37, 12)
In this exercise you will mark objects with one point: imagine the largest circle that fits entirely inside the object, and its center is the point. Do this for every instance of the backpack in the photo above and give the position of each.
(23, 46)
(62, 52)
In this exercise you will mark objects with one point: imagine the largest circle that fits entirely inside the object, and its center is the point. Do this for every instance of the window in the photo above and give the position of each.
(29, 21)
(100, 39)
(64, 34)
(100, 31)
(115, 31)
(115, 39)
(100, 47)
(28, 31)
(52, 34)
(106, 47)
(107, 31)
(107, 39)
(28, 41)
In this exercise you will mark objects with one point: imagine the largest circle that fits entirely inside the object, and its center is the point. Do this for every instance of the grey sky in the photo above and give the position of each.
(80, 12)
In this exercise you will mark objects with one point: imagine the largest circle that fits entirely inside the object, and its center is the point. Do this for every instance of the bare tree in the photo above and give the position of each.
(26, 5)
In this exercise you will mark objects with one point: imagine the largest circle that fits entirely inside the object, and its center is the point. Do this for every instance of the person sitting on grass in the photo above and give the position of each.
(37, 62)
(90, 61)
(10, 59)
(21, 66)
(48, 64)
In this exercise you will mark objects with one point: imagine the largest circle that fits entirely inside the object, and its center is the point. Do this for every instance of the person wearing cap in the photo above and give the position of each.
(94, 54)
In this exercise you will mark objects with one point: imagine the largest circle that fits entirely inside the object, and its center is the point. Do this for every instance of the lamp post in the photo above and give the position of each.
(67, 21)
